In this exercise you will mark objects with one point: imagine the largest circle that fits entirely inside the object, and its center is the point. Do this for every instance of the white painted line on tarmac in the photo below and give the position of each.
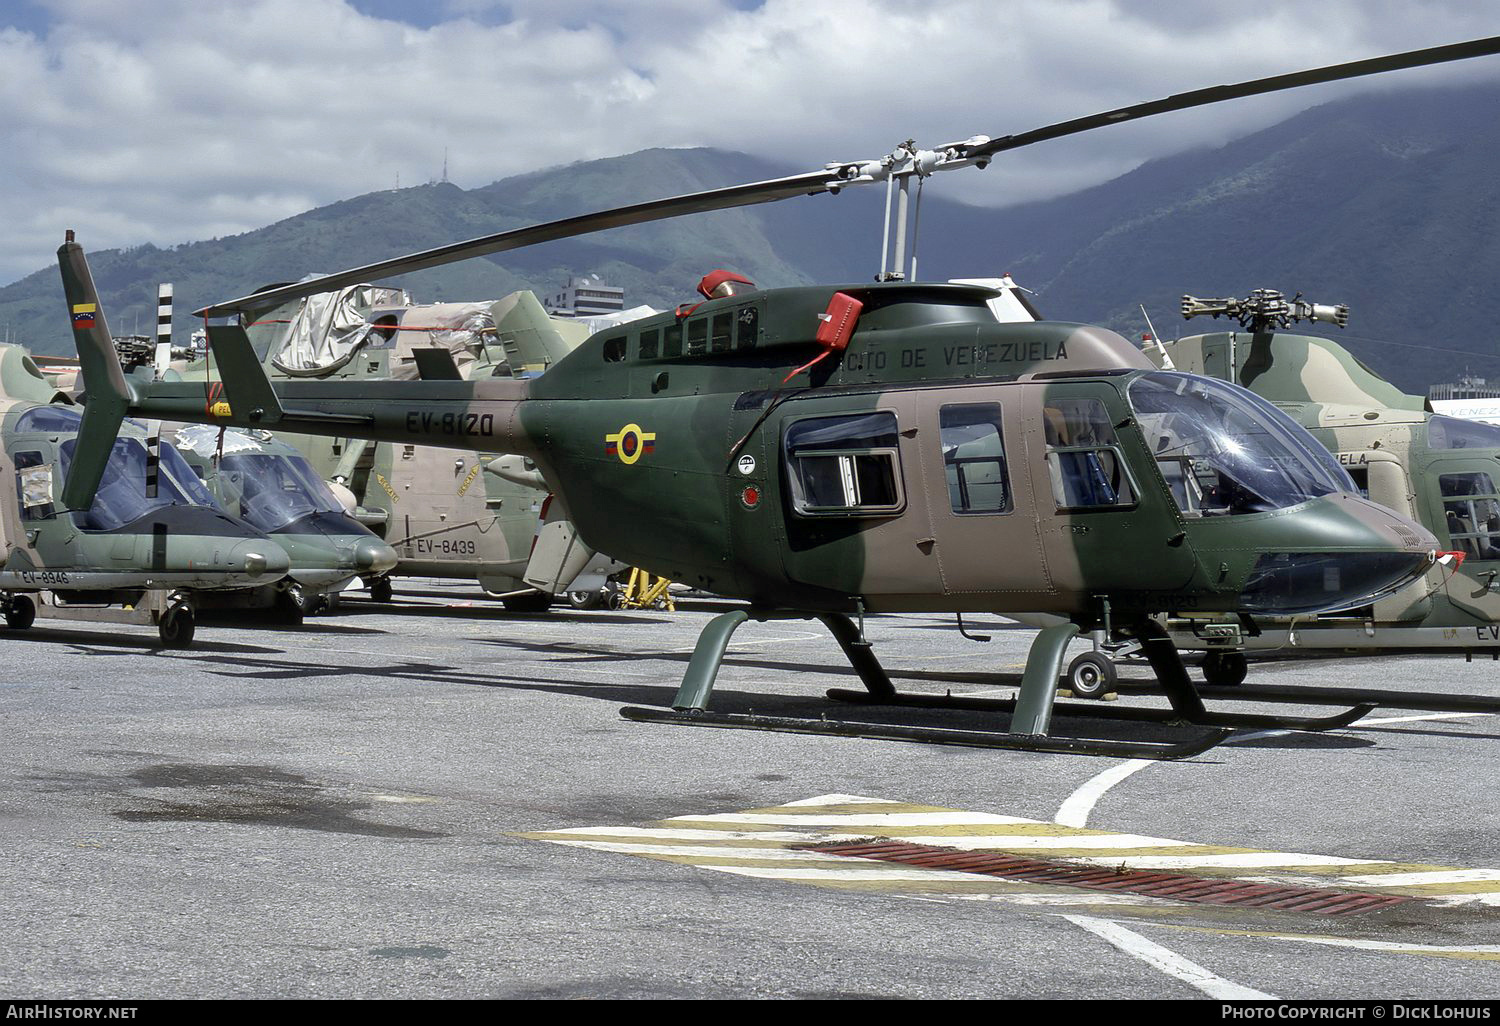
(1478, 952)
(1422, 879)
(1169, 962)
(851, 875)
(695, 851)
(1415, 719)
(1074, 812)
(659, 834)
(878, 819)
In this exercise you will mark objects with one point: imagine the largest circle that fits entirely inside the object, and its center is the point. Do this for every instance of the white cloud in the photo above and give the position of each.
(169, 120)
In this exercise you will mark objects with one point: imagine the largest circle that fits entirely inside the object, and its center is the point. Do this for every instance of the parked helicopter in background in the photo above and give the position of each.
(1438, 470)
(272, 487)
(936, 459)
(152, 540)
(265, 483)
(449, 512)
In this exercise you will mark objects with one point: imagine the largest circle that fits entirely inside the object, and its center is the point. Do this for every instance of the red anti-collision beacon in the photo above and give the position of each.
(719, 284)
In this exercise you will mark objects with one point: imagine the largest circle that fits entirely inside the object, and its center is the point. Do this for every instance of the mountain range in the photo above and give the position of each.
(1388, 202)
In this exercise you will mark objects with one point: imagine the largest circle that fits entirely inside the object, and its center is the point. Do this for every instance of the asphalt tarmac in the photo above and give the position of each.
(437, 799)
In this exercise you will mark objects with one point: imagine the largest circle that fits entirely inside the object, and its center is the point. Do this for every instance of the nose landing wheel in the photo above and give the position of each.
(1091, 675)
(1225, 669)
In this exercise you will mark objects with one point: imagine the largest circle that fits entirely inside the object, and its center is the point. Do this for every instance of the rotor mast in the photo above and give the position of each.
(897, 169)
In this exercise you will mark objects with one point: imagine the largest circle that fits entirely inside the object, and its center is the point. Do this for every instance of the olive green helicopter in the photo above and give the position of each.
(833, 451)
(152, 547)
(260, 481)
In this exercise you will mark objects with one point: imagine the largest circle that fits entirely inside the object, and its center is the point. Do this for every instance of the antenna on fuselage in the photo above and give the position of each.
(1161, 348)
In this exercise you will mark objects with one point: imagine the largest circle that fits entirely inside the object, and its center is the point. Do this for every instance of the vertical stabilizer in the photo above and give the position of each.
(109, 392)
(532, 340)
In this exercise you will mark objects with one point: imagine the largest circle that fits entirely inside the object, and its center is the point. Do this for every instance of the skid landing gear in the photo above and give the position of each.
(1187, 706)
(1031, 713)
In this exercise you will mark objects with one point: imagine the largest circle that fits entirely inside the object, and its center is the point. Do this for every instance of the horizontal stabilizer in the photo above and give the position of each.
(246, 386)
(436, 364)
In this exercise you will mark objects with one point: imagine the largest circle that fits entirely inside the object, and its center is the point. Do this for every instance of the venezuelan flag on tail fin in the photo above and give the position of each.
(109, 391)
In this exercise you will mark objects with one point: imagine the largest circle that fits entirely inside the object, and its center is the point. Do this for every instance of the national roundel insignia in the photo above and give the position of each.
(629, 443)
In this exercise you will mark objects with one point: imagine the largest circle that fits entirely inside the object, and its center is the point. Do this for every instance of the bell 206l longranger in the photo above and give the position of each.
(827, 450)
(947, 462)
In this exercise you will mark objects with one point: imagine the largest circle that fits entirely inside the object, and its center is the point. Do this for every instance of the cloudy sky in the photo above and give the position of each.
(167, 121)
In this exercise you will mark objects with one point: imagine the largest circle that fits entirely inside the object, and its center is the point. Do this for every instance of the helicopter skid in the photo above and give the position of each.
(1115, 749)
(1254, 721)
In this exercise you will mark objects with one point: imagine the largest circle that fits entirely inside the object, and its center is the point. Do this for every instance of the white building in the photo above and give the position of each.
(586, 297)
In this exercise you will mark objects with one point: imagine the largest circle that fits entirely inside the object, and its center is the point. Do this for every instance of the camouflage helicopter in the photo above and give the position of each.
(152, 540)
(935, 459)
(1438, 470)
(265, 483)
(272, 487)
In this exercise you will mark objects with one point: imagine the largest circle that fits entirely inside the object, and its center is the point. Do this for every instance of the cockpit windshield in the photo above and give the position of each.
(271, 490)
(1224, 450)
(122, 498)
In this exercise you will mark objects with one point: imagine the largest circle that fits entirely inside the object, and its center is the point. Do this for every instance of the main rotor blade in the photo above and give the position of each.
(654, 210)
(833, 177)
(1217, 94)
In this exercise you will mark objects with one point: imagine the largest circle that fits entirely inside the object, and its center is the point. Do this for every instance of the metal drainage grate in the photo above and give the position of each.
(1174, 886)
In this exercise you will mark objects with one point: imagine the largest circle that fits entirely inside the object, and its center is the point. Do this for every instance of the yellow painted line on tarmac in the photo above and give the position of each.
(772, 842)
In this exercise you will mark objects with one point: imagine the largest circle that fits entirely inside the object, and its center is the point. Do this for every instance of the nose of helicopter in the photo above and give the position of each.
(373, 556)
(1345, 552)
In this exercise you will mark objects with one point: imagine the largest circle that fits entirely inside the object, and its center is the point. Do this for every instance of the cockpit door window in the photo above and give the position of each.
(1471, 507)
(1083, 456)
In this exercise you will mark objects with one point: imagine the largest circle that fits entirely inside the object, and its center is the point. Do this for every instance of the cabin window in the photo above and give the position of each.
(697, 336)
(747, 324)
(614, 349)
(34, 486)
(649, 342)
(1471, 508)
(974, 458)
(49, 419)
(1083, 456)
(848, 465)
(723, 330)
(1458, 433)
(1361, 478)
(671, 341)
